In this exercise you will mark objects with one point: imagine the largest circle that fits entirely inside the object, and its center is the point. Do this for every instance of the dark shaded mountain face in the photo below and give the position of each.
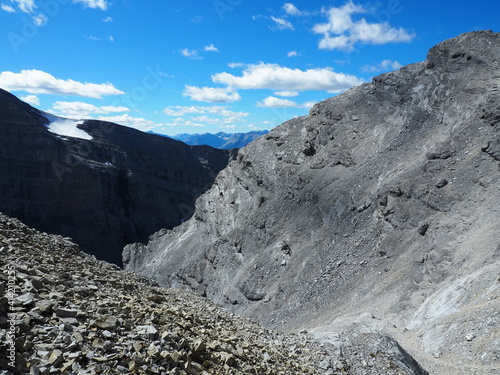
(224, 141)
(378, 212)
(117, 188)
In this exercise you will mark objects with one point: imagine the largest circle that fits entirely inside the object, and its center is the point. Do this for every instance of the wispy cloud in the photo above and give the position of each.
(107, 19)
(274, 102)
(39, 82)
(343, 32)
(384, 65)
(197, 19)
(292, 10)
(7, 8)
(276, 77)
(286, 94)
(191, 54)
(292, 54)
(94, 4)
(221, 110)
(26, 6)
(219, 115)
(282, 24)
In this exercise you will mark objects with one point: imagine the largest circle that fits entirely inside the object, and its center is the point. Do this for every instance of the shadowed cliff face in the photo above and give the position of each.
(377, 212)
(119, 187)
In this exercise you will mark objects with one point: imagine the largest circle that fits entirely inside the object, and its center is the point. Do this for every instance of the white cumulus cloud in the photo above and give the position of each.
(39, 82)
(211, 94)
(81, 109)
(211, 48)
(276, 77)
(343, 32)
(31, 99)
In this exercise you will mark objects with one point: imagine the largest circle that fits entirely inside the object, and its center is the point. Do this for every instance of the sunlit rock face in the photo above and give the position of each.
(377, 212)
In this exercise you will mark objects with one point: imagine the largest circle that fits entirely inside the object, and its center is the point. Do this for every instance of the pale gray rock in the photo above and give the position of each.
(376, 241)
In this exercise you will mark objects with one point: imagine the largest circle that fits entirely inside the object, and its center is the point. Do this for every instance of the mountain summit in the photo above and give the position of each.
(378, 212)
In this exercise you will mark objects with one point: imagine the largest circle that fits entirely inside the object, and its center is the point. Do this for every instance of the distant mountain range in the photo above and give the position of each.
(221, 140)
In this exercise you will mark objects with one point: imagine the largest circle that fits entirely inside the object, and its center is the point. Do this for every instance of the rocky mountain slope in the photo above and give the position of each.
(221, 140)
(63, 311)
(111, 186)
(378, 212)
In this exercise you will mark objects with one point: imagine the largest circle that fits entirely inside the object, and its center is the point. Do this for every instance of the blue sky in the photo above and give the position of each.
(213, 65)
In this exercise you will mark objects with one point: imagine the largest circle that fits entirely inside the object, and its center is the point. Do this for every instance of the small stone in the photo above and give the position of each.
(422, 229)
(25, 299)
(56, 358)
(199, 346)
(133, 366)
(153, 351)
(107, 334)
(66, 313)
(148, 332)
(78, 336)
(230, 360)
(138, 346)
(441, 183)
(37, 282)
(470, 337)
(106, 322)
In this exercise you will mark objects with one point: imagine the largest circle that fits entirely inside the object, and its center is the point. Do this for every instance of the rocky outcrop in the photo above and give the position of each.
(63, 311)
(378, 212)
(118, 187)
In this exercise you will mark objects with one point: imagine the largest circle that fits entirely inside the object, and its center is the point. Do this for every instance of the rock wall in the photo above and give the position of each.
(117, 188)
(377, 212)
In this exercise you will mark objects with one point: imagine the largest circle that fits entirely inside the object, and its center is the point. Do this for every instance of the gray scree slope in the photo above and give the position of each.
(378, 212)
